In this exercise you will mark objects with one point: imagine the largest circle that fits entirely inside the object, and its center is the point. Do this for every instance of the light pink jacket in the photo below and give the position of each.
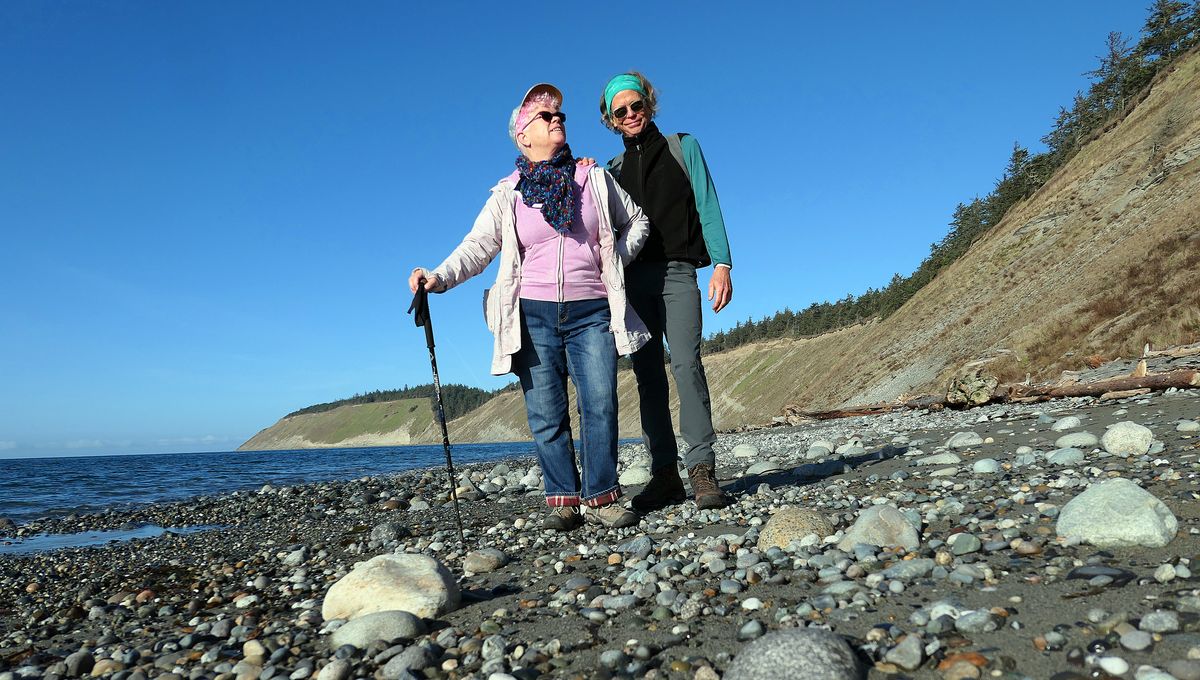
(623, 230)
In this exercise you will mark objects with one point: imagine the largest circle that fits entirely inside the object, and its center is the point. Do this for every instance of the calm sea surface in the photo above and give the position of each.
(40, 487)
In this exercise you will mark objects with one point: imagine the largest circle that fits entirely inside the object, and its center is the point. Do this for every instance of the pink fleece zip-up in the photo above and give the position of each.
(561, 267)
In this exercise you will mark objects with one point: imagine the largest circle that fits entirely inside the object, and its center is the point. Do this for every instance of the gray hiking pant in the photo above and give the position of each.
(665, 296)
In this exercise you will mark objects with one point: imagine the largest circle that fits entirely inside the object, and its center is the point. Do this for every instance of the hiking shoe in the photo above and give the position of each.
(704, 488)
(612, 516)
(562, 519)
(664, 488)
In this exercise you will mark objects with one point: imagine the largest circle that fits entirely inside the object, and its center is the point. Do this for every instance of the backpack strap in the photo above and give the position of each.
(676, 149)
(673, 145)
(614, 165)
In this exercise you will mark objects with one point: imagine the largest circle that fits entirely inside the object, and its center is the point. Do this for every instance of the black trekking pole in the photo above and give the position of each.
(420, 311)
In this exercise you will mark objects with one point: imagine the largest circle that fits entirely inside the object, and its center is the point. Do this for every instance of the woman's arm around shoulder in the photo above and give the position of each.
(631, 224)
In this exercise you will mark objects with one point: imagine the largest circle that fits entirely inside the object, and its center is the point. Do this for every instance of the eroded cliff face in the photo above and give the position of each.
(1101, 260)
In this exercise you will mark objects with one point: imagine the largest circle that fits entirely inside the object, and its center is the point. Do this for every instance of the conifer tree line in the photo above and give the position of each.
(1171, 29)
(456, 399)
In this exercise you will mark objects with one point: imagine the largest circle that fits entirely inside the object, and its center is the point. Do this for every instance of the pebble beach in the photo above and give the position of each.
(1050, 540)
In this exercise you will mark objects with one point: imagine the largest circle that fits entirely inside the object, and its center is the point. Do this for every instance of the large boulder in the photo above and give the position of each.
(416, 584)
(1117, 513)
(972, 389)
(792, 524)
(797, 654)
(882, 526)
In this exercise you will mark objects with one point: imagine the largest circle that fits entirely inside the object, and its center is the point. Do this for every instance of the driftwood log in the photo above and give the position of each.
(1112, 388)
(1161, 381)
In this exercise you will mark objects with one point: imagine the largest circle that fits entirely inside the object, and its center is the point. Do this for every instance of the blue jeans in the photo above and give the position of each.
(571, 338)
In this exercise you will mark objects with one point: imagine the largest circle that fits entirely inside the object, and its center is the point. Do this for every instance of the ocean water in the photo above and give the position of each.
(45, 487)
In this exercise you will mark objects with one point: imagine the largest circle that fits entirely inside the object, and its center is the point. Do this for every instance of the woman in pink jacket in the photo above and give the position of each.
(564, 232)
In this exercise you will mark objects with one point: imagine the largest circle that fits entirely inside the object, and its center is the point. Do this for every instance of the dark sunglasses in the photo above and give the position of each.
(548, 117)
(635, 107)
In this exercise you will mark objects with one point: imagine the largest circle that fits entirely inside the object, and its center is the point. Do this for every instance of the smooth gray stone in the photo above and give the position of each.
(986, 466)
(484, 561)
(388, 626)
(940, 459)
(1077, 440)
(962, 440)
(908, 654)
(909, 570)
(964, 544)
(796, 654)
(412, 660)
(1065, 457)
(762, 467)
(1160, 621)
(638, 548)
(975, 622)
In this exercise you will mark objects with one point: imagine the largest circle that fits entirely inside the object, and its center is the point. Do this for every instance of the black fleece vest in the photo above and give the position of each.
(652, 177)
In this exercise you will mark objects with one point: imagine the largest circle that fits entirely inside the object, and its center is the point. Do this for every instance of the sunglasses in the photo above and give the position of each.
(548, 117)
(635, 107)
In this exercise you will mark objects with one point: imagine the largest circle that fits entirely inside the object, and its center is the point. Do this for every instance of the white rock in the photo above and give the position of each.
(413, 583)
(1066, 423)
(962, 440)
(1113, 665)
(986, 466)
(1117, 513)
(636, 475)
(1187, 426)
(745, 451)
(1165, 573)
(940, 459)
(1127, 439)
(881, 525)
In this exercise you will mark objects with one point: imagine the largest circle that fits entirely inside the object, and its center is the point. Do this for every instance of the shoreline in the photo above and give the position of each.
(679, 595)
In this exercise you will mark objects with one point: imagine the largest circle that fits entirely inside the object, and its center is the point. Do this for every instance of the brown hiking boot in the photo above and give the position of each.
(612, 516)
(562, 519)
(664, 488)
(704, 487)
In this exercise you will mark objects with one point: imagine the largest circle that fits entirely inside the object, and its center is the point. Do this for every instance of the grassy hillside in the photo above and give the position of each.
(1103, 258)
(407, 421)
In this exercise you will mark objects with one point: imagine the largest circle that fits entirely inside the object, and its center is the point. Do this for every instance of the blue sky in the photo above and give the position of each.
(209, 209)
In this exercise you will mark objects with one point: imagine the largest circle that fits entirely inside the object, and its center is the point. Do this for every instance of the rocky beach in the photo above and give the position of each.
(1048, 540)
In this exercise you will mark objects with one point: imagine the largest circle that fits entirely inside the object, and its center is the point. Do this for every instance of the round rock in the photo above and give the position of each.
(636, 475)
(1127, 439)
(792, 524)
(986, 466)
(388, 626)
(417, 584)
(796, 654)
(485, 560)
(745, 451)
(883, 526)
(1066, 423)
(1117, 513)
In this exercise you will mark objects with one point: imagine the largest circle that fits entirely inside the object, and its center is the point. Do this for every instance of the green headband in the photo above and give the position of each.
(620, 84)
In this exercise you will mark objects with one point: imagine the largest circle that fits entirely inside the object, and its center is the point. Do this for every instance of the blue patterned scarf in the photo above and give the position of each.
(550, 183)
